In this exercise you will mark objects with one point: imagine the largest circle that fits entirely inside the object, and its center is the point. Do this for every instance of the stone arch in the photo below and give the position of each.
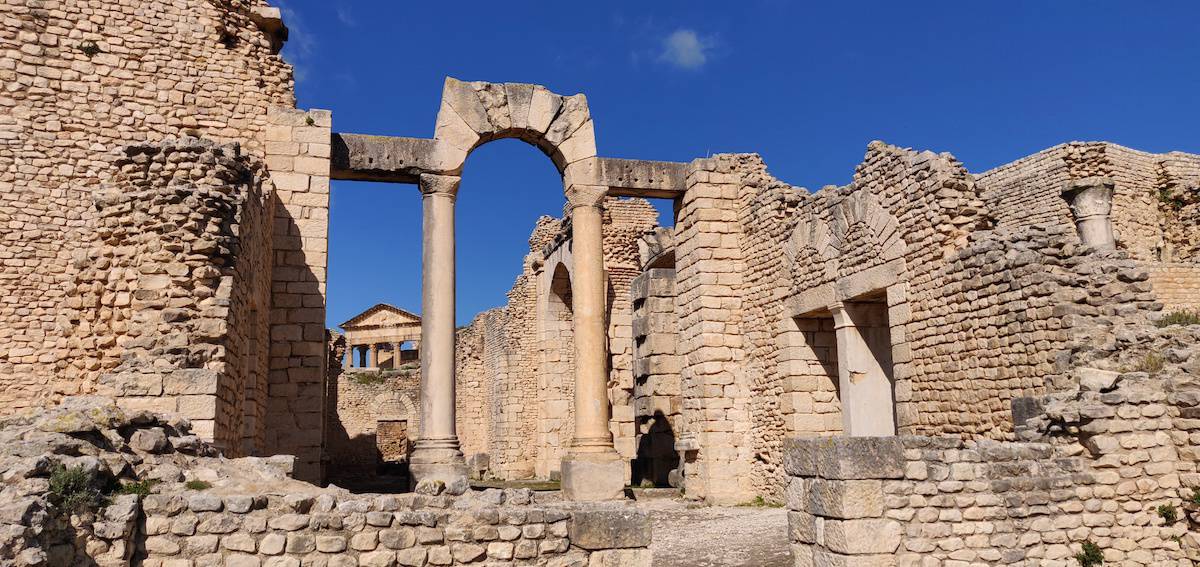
(810, 249)
(477, 112)
(560, 285)
(393, 406)
(556, 384)
(862, 209)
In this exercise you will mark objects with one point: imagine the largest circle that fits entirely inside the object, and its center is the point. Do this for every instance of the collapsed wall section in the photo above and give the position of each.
(171, 288)
(83, 78)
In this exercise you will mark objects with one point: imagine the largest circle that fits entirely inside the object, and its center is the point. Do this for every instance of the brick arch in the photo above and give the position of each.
(393, 406)
(811, 243)
(475, 113)
(861, 210)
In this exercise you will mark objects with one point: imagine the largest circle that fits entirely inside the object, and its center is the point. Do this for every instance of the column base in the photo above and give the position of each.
(437, 461)
(593, 476)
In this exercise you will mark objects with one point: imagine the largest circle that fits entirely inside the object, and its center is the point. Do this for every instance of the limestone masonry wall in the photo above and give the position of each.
(657, 396)
(1154, 204)
(493, 527)
(362, 401)
(165, 294)
(515, 363)
(83, 79)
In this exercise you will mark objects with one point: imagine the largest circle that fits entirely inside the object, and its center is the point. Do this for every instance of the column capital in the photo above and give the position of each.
(1089, 196)
(586, 195)
(431, 184)
(841, 319)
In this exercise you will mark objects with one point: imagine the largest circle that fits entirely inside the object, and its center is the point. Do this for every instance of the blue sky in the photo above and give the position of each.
(807, 85)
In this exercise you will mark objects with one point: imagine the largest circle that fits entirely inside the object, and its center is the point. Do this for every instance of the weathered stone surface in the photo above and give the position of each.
(846, 457)
(609, 529)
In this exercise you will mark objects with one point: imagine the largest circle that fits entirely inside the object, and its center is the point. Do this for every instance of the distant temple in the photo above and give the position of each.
(383, 336)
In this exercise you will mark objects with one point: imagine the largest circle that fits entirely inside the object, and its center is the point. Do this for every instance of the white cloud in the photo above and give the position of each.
(684, 49)
(344, 15)
(301, 46)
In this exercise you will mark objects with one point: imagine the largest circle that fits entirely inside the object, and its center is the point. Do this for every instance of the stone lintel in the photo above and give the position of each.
(641, 178)
(396, 159)
(390, 159)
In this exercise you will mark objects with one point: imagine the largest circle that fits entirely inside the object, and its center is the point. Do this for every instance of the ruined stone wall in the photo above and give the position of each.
(163, 295)
(1111, 463)
(656, 363)
(495, 527)
(625, 220)
(515, 363)
(297, 158)
(362, 400)
(1154, 203)
(186, 506)
(473, 396)
(977, 316)
(709, 272)
(84, 78)
(800, 253)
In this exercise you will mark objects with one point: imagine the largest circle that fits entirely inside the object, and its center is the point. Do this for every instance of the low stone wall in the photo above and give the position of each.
(942, 501)
(90, 484)
(494, 527)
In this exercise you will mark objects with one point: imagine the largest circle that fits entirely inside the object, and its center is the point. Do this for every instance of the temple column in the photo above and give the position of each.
(395, 356)
(436, 455)
(349, 361)
(592, 469)
(374, 355)
(1090, 200)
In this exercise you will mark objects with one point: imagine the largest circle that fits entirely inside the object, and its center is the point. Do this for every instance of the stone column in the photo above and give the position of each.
(864, 369)
(1090, 200)
(592, 469)
(436, 455)
(374, 355)
(349, 362)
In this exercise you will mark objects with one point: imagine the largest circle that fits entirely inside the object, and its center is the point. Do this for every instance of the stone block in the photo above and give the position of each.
(587, 477)
(845, 458)
(610, 529)
(862, 536)
(845, 499)
(621, 558)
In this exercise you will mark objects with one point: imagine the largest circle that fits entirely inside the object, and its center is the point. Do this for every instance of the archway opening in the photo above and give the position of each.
(510, 211)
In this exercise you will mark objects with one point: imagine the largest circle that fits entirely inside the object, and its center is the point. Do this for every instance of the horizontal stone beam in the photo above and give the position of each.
(395, 159)
(641, 178)
(392, 159)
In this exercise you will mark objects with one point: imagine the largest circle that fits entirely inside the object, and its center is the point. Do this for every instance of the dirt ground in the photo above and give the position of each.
(687, 535)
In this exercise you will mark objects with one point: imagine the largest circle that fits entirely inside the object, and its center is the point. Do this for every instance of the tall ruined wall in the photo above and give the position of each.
(165, 293)
(84, 78)
(514, 363)
(902, 213)
(976, 316)
(1154, 203)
